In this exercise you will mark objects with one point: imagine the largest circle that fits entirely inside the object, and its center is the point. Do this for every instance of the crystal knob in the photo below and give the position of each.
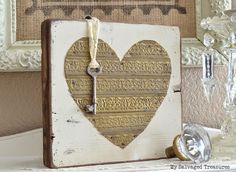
(208, 40)
(193, 144)
(232, 39)
(233, 17)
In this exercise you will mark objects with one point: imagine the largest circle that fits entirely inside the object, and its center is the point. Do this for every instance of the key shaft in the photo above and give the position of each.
(94, 95)
(93, 72)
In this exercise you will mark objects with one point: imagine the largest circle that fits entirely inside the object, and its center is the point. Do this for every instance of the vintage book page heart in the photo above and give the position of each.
(129, 92)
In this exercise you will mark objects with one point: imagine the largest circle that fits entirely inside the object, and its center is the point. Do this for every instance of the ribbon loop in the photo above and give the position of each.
(93, 33)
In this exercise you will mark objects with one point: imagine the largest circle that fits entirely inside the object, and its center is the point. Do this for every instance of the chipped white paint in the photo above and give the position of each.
(80, 143)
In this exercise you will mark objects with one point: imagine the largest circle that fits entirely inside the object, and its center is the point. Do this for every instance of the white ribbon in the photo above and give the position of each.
(93, 33)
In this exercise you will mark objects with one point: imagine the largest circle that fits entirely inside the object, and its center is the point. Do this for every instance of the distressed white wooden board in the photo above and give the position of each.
(81, 143)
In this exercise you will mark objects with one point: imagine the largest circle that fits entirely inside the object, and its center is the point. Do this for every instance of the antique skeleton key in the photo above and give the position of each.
(94, 68)
(93, 72)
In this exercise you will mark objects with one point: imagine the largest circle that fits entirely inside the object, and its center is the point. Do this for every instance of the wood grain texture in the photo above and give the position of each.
(46, 94)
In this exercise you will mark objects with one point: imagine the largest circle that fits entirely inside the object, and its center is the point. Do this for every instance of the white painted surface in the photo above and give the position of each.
(23, 152)
(87, 145)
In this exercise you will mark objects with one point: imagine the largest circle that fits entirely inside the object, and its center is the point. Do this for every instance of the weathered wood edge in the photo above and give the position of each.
(46, 94)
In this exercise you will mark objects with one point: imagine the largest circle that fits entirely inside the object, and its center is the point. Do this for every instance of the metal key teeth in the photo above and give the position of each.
(89, 108)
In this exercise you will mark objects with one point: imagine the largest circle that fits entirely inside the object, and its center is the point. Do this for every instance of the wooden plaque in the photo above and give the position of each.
(138, 93)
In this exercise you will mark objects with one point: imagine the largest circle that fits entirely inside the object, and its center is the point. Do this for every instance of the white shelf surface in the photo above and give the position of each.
(23, 152)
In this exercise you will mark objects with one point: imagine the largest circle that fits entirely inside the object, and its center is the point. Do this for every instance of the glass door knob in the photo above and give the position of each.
(193, 144)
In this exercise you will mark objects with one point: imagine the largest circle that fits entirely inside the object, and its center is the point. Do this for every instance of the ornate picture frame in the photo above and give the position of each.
(19, 56)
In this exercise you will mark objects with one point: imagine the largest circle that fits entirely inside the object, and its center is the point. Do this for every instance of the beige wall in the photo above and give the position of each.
(20, 104)
(195, 106)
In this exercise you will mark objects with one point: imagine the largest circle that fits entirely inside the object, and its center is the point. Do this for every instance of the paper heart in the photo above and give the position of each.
(128, 92)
